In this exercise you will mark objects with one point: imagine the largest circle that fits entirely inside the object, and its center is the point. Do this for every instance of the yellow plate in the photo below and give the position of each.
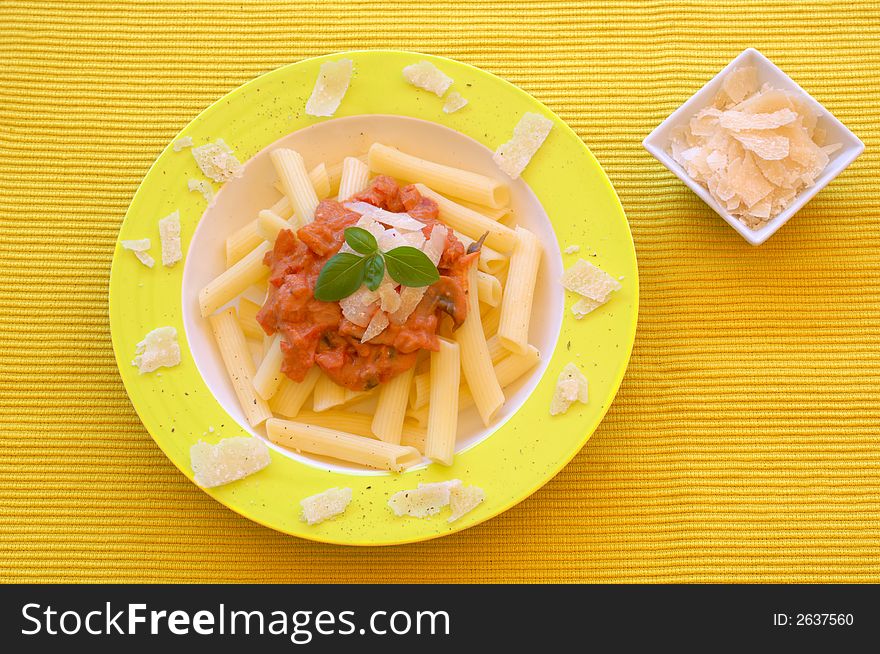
(525, 451)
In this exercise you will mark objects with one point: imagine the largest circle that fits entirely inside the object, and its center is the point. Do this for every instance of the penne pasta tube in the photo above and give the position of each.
(355, 177)
(234, 280)
(470, 223)
(269, 224)
(239, 365)
(476, 362)
(443, 407)
(445, 179)
(292, 395)
(334, 174)
(420, 390)
(268, 376)
(283, 208)
(340, 445)
(296, 183)
(516, 307)
(490, 321)
(256, 348)
(247, 318)
(496, 350)
(361, 424)
(320, 181)
(242, 241)
(501, 214)
(491, 261)
(420, 415)
(329, 394)
(390, 411)
(507, 370)
(488, 289)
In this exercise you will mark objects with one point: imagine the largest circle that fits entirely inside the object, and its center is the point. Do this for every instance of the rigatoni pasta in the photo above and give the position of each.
(443, 411)
(476, 363)
(296, 183)
(391, 407)
(355, 176)
(335, 444)
(516, 309)
(239, 365)
(445, 179)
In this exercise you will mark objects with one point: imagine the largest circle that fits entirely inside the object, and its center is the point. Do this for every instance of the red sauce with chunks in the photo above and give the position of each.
(316, 332)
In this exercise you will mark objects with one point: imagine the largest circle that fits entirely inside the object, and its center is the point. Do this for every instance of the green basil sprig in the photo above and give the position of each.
(344, 273)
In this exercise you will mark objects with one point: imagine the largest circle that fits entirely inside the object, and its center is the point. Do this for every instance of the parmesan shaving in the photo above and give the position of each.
(389, 298)
(454, 102)
(427, 76)
(323, 506)
(753, 149)
(158, 349)
(528, 135)
(572, 249)
(571, 387)
(217, 162)
(421, 502)
(182, 143)
(409, 300)
(229, 460)
(169, 236)
(584, 306)
(360, 306)
(202, 187)
(397, 220)
(139, 248)
(434, 246)
(330, 87)
(377, 325)
(463, 500)
(589, 281)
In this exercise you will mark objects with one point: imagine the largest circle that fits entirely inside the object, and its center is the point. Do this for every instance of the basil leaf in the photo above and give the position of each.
(411, 267)
(360, 240)
(374, 271)
(341, 276)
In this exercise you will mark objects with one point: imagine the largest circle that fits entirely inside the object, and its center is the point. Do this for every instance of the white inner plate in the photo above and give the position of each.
(241, 199)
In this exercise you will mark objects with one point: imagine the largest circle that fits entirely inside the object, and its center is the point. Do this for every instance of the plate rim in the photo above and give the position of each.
(552, 472)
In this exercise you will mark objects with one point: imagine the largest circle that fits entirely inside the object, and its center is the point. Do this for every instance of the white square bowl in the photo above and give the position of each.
(658, 140)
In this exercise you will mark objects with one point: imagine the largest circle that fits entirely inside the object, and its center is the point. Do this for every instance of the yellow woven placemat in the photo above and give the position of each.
(745, 442)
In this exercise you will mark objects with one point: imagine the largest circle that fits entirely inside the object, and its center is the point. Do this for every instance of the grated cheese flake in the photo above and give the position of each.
(463, 500)
(323, 506)
(402, 221)
(139, 248)
(330, 87)
(584, 306)
(528, 135)
(589, 281)
(454, 102)
(571, 387)
(159, 348)
(572, 249)
(169, 236)
(427, 76)
(377, 325)
(421, 502)
(229, 460)
(182, 143)
(360, 306)
(217, 162)
(202, 187)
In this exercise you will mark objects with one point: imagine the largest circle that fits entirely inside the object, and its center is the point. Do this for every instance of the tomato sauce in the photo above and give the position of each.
(316, 332)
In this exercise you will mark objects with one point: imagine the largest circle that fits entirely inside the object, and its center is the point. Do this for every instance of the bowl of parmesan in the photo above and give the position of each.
(754, 146)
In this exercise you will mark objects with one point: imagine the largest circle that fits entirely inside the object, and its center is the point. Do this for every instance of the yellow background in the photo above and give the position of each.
(745, 442)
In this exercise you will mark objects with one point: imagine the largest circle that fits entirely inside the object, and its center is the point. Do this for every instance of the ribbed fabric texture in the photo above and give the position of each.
(744, 444)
